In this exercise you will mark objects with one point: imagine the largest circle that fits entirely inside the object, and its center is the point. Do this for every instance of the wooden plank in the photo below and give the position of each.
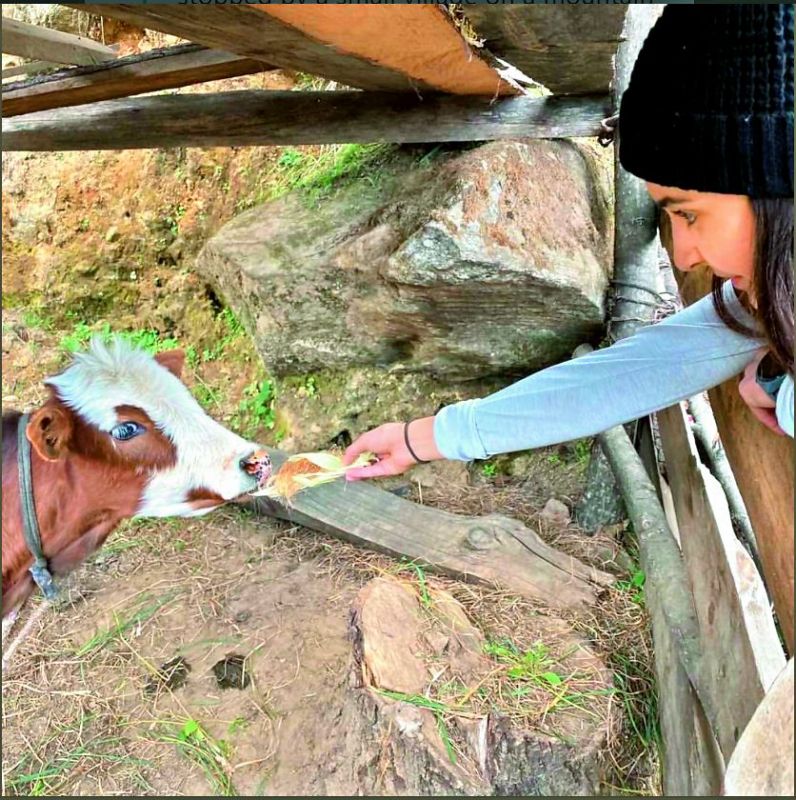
(289, 118)
(31, 41)
(165, 68)
(738, 636)
(762, 764)
(692, 762)
(763, 465)
(569, 49)
(492, 550)
(246, 31)
(419, 41)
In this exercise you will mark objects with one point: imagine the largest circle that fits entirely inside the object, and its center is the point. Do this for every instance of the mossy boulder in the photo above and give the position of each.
(494, 261)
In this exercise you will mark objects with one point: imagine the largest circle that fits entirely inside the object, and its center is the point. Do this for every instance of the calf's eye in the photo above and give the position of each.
(127, 430)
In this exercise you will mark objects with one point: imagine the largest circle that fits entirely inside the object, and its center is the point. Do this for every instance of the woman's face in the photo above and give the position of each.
(717, 230)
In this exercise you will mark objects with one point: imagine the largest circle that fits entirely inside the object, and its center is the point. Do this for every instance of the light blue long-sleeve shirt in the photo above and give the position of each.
(685, 354)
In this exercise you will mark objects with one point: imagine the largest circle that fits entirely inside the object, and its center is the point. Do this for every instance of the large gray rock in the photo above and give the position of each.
(495, 261)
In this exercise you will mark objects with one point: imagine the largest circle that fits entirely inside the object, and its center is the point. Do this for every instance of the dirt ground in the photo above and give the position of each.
(105, 240)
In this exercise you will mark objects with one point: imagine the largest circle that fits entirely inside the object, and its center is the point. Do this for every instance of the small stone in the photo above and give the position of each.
(555, 511)
(113, 234)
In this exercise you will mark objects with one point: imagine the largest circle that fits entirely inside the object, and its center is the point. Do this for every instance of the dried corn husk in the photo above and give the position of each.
(306, 470)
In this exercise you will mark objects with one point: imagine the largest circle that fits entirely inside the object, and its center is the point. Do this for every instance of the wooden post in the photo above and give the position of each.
(635, 268)
(289, 118)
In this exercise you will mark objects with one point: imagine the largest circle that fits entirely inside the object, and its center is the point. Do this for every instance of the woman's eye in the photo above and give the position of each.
(688, 216)
(127, 430)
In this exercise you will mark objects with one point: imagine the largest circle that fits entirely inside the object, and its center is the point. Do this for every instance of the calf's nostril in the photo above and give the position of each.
(246, 464)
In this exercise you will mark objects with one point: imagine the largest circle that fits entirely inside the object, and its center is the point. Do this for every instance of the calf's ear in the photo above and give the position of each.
(50, 431)
(172, 360)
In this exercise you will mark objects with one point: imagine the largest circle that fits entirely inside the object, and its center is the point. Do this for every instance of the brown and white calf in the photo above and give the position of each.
(121, 436)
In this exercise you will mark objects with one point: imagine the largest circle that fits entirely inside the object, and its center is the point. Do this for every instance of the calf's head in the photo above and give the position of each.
(128, 412)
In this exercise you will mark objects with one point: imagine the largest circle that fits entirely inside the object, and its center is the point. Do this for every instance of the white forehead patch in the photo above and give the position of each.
(117, 374)
(208, 455)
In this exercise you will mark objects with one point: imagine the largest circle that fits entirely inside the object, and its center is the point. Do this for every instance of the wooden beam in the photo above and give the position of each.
(166, 68)
(492, 550)
(290, 118)
(418, 40)
(247, 31)
(31, 41)
(570, 49)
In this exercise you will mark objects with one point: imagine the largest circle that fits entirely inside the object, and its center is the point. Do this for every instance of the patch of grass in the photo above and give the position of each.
(231, 330)
(437, 708)
(257, 408)
(420, 574)
(33, 318)
(209, 754)
(583, 451)
(533, 664)
(145, 339)
(317, 176)
(171, 219)
(635, 586)
(48, 778)
(489, 470)
(121, 624)
(309, 388)
(78, 338)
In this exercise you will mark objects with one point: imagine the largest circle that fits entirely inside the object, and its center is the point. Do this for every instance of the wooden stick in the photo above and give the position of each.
(289, 118)
(165, 68)
(31, 41)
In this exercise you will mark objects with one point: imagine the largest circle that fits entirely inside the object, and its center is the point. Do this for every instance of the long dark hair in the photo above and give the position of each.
(772, 279)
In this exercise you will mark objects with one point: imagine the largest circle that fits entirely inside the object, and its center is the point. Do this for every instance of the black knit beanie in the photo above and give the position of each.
(709, 106)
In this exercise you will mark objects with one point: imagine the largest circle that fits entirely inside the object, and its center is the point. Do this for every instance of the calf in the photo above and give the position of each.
(120, 436)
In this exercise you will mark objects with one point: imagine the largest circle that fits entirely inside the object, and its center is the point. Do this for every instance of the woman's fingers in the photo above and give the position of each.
(384, 441)
(381, 469)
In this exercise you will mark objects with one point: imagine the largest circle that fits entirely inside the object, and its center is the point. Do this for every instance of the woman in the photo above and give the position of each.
(707, 122)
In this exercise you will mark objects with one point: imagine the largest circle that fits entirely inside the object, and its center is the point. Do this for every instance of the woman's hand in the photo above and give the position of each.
(760, 404)
(389, 444)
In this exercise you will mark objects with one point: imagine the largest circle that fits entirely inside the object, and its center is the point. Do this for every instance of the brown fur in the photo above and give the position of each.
(83, 488)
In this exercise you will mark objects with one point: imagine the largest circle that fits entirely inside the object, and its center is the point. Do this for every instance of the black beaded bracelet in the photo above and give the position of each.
(409, 446)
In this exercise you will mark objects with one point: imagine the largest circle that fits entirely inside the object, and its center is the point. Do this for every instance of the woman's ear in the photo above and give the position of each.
(50, 431)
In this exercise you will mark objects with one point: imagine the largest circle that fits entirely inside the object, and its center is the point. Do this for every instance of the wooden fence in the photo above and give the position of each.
(739, 653)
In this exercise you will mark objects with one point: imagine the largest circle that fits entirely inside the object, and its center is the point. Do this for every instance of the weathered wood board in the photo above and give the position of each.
(165, 68)
(289, 118)
(493, 549)
(570, 49)
(762, 463)
(345, 50)
(692, 762)
(762, 764)
(742, 652)
(31, 41)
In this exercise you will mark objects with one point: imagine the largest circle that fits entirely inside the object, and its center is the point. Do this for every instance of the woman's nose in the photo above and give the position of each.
(685, 256)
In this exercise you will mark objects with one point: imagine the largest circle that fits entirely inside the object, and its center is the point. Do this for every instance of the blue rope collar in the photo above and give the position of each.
(30, 525)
